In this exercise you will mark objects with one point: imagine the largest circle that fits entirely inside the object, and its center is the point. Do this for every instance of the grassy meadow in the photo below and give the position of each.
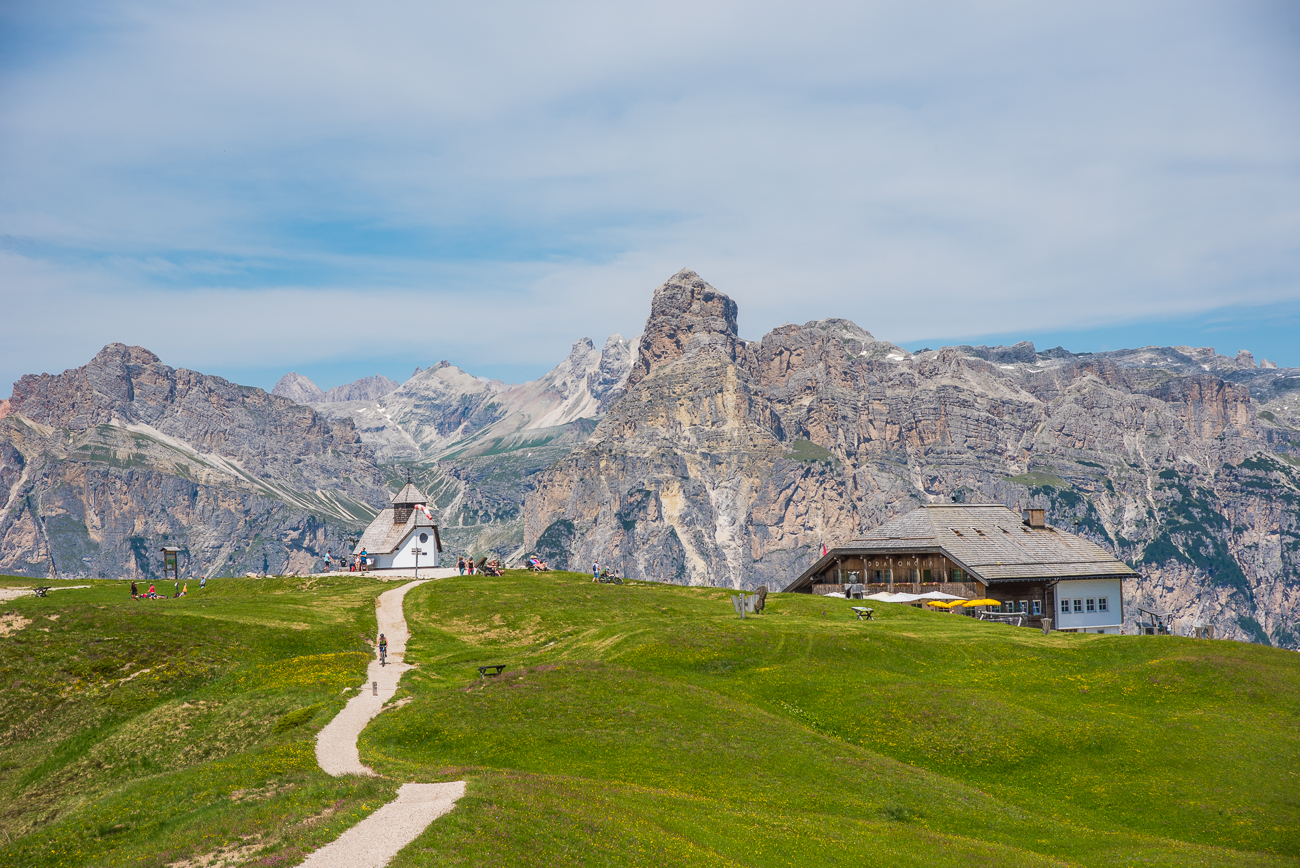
(639, 724)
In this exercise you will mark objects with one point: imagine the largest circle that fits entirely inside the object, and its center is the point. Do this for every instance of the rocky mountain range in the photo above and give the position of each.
(730, 462)
(475, 445)
(103, 464)
(686, 454)
(302, 390)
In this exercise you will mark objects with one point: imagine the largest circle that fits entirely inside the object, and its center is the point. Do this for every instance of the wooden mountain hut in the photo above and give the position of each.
(976, 551)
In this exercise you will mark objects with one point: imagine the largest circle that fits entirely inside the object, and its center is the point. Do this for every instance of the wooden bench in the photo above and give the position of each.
(41, 592)
(863, 613)
(496, 669)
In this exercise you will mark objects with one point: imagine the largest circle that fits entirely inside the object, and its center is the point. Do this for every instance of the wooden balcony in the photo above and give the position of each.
(968, 590)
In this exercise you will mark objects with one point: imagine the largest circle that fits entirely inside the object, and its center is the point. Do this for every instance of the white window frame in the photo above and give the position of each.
(1102, 604)
(1092, 605)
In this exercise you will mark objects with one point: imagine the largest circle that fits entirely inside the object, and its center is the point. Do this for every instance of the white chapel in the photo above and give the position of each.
(406, 524)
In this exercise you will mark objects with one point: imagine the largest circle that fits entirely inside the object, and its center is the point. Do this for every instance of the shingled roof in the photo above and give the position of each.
(409, 495)
(384, 534)
(989, 541)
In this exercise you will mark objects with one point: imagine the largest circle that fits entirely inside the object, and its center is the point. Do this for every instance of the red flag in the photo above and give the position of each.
(823, 549)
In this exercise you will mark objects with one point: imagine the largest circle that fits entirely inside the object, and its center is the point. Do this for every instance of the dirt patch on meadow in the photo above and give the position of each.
(12, 622)
(226, 857)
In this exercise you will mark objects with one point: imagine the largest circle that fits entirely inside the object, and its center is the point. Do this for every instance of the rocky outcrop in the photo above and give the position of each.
(298, 389)
(730, 463)
(301, 390)
(365, 389)
(686, 315)
(102, 464)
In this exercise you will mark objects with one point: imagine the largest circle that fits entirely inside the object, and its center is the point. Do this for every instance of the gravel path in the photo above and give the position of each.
(336, 746)
(378, 838)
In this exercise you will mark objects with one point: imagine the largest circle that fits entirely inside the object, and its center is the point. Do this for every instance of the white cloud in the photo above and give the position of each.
(537, 168)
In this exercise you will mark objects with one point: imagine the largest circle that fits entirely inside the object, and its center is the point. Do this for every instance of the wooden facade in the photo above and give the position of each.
(979, 551)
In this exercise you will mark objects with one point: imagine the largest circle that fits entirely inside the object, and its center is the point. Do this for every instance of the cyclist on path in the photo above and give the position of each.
(383, 650)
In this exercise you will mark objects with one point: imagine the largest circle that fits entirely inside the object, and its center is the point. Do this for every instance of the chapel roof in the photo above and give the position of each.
(385, 535)
(409, 495)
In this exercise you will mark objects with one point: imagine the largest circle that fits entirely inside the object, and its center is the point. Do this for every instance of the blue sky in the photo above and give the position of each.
(345, 189)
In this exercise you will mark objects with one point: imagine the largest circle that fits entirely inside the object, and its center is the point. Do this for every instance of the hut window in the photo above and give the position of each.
(957, 575)
(1078, 606)
(926, 576)
(1038, 607)
(1065, 606)
(1101, 604)
(1092, 605)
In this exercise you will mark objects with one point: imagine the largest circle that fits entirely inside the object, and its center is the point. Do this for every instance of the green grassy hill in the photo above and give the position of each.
(638, 725)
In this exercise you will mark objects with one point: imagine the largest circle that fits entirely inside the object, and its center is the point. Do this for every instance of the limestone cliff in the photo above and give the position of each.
(102, 464)
(728, 462)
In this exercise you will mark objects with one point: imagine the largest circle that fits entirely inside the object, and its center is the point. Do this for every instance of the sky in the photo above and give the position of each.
(345, 189)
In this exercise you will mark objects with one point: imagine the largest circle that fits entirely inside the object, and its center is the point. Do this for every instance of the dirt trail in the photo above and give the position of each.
(336, 746)
(378, 838)
(374, 841)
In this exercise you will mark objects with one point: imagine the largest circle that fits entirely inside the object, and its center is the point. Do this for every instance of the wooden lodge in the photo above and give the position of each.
(980, 551)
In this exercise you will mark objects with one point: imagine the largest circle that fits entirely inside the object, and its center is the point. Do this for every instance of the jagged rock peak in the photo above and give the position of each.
(845, 329)
(1022, 352)
(365, 389)
(579, 350)
(116, 355)
(686, 316)
(296, 388)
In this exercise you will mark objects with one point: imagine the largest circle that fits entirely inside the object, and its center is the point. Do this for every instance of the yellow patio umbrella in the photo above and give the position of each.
(941, 604)
(978, 603)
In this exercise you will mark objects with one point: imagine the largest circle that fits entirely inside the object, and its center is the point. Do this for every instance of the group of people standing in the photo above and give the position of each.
(358, 563)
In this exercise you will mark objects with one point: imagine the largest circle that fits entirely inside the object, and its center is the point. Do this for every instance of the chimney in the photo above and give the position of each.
(1035, 517)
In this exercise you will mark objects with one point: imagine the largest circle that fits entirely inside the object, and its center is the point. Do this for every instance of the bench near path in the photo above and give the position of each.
(378, 838)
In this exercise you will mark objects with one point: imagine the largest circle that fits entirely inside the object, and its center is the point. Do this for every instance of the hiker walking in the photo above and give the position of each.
(460, 564)
(328, 560)
(383, 650)
(134, 591)
(595, 570)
